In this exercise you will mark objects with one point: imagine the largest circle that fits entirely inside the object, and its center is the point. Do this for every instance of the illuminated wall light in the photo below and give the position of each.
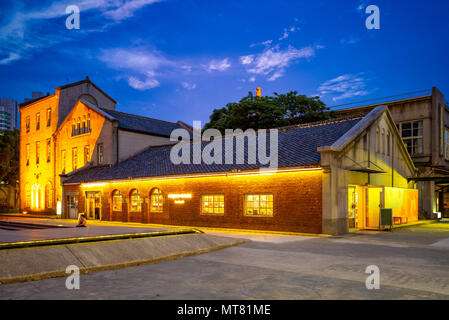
(180, 196)
(58, 208)
(179, 201)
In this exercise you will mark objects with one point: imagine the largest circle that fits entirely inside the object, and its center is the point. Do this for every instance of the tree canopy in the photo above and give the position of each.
(267, 112)
(9, 157)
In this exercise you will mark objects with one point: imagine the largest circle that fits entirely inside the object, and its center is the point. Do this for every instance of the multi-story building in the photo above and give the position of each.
(8, 114)
(74, 128)
(423, 122)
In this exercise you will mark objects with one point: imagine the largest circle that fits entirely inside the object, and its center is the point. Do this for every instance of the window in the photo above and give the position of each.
(446, 143)
(100, 153)
(135, 203)
(27, 124)
(74, 158)
(88, 122)
(84, 125)
(377, 140)
(37, 151)
(86, 154)
(78, 126)
(388, 143)
(212, 204)
(38, 121)
(116, 201)
(63, 157)
(48, 150)
(383, 141)
(156, 200)
(259, 205)
(73, 127)
(28, 154)
(48, 196)
(412, 135)
(48, 117)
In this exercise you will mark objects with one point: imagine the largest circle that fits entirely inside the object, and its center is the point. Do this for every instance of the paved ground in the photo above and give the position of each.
(93, 229)
(413, 262)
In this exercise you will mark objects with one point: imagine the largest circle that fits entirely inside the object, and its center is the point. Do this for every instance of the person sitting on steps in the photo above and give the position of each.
(82, 222)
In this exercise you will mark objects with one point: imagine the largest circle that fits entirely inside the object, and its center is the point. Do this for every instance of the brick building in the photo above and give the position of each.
(74, 128)
(332, 177)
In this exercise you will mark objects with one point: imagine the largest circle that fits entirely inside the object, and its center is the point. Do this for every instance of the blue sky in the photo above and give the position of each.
(180, 59)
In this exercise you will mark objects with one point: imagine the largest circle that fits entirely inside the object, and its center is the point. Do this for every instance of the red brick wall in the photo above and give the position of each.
(297, 201)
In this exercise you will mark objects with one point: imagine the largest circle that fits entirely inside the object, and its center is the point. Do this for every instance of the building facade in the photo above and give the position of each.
(8, 114)
(74, 128)
(423, 123)
(333, 177)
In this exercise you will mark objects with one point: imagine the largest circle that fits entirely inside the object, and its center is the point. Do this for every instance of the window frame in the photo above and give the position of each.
(161, 196)
(213, 207)
(48, 117)
(38, 121)
(245, 213)
(74, 158)
(412, 137)
(116, 194)
(132, 193)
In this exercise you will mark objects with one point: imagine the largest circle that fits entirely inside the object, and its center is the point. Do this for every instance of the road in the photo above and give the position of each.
(413, 264)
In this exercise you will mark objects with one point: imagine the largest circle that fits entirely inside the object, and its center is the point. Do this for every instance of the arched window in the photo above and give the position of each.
(388, 143)
(88, 122)
(384, 145)
(84, 124)
(73, 127)
(156, 200)
(78, 126)
(135, 201)
(377, 140)
(117, 201)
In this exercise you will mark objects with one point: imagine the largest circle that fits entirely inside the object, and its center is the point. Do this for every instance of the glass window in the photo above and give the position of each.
(48, 150)
(135, 202)
(86, 154)
(117, 201)
(100, 153)
(412, 135)
(28, 154)
(63, 157)
(74, 158)
(259, 205)
(38, 121)
(156, 200)
(37, 152)
(212, 204)
(27, 121)
(48, 117)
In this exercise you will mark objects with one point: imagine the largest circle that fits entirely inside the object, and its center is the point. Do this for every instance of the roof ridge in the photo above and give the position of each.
(321, 123)
(137, 116)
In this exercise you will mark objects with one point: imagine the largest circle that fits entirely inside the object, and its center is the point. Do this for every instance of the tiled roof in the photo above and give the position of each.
(297, 147)
(131, 122)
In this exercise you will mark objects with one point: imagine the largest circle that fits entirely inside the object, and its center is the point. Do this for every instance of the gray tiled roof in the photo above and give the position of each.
(142, 124)
(297, 147)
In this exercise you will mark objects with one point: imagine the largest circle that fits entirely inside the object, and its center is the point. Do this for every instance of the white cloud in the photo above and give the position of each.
(20, 39)
(272, 62)
(146, 84)
(247, 59)
(349, 40)
(252, 79)
(188, 86)
(218, 65)
(344, 87)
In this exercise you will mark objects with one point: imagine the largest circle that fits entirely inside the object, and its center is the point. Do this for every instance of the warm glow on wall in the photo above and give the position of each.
(180, 196)
(179, 201)
(93, 185)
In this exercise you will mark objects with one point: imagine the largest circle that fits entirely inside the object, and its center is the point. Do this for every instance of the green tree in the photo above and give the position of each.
(9, 159)
(269, 112)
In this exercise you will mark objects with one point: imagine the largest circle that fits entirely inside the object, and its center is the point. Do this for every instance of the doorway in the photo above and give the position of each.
(72, 204)
(93, 205)
(364, 204)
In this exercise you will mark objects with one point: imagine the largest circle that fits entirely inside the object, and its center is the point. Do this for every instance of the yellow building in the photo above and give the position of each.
(74, 128)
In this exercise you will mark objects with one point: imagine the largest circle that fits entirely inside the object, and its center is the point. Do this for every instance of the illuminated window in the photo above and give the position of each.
(78, 126)
(38, 121)
(212, 204)
(117, 201)
(259, 205)
(84, 124)
(27, 124)
(73, 127)
(88, 122)
(135, 201)
(63, 157)
(48, 150)
(28, 154)
(156, 200)
(48, 117)
(86, 154)
(37, 151)
(412, 135)
(100, 153)
(446, 143)
(74, 158)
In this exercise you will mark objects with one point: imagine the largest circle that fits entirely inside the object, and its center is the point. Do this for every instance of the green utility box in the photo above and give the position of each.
(386, 218)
